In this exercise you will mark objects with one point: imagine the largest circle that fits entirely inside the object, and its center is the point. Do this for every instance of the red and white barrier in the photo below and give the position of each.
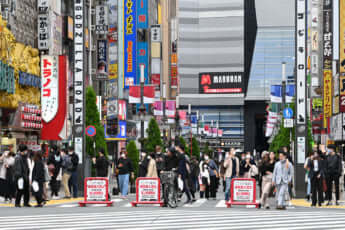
(243, 192)
(148, 191)
(96, 191)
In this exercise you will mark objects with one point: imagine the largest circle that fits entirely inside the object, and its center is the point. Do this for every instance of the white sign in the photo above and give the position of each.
(156, 33)
(49, 87)
(43, 6)
(288, 123)
(301, 62)
(102, 19)
(243, 191)
(43, 32)
(148, 190)
(314, 64)
(78, 78)
(300, 150)
(96, 190)
(314, 16)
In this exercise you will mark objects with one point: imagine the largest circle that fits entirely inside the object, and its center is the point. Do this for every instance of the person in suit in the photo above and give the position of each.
(316, 174)
(282, 177)
(334, 170)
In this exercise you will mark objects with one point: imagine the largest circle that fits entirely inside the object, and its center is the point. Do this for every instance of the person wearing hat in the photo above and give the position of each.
(333, 172)
(282, 177)
(101, 164)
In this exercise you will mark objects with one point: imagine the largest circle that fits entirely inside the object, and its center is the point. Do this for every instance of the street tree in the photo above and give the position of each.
(133, 154)
(92, 118)
(154, 136)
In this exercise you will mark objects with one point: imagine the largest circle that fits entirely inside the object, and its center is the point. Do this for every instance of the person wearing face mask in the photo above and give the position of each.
(232, 166)
(54, 167)
(21, 174)
(333, 172)
(151, 168)
(204, 181)
(316, 174)
(125, 168)
(160, 161)
(213, 170)
(143, 164)
(282, 177)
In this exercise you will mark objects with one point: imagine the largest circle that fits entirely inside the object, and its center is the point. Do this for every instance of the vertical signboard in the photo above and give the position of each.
(327, 60)
(79, 124)
(102, 19)
(142, 14)
(301, 34)
(342, 56)
(102, 63)
(143, 59)
(43, 32)
(130, 35)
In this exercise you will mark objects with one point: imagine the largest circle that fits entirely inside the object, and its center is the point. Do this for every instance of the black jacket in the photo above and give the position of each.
(102, 165)
(160, 161)
(125, 166)
(334, 165)
(312, 172)
(171, 162)
(143, 167)
(56, 160)
(75, 162)
(38, 172)
(21, 168)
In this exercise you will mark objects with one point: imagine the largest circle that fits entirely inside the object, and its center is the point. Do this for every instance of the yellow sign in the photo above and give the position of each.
(336, 105)
(327, 95)
(113, 71)
(87, 38)
(156, 49)
(174, 58)
(342, 36)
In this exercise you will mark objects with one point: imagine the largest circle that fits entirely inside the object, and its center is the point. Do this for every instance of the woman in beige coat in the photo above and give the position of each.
(152, 168)
(232, 170)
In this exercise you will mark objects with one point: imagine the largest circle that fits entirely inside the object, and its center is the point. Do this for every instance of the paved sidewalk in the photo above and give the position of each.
(304, 203)
(49, 203)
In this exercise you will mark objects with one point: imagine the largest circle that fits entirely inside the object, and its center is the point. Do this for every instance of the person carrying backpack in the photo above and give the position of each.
(67, 167)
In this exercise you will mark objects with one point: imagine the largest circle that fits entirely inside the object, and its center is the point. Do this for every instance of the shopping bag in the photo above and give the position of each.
(21, 183)
(180, 184)
(35, 186)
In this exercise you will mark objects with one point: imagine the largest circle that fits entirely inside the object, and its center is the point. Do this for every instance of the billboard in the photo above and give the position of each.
(102, 19)
(221, 83)
(102, 63)
(142, 14)
(342, 37)
(130, 37)
(327, 95)
(142, 59)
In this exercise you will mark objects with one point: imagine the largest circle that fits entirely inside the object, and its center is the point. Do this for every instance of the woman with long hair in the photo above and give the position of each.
(38, 179)
(266, 171)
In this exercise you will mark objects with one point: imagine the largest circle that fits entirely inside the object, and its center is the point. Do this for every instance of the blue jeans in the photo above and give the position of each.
(73, 184)
(123, 182)
(227, 187)
(308, 187)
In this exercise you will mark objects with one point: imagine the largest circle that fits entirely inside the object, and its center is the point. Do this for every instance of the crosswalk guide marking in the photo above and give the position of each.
(181, 219)
(196, 204)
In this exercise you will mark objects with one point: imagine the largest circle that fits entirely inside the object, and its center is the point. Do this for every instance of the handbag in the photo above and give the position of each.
(20, 183)
(35, 186)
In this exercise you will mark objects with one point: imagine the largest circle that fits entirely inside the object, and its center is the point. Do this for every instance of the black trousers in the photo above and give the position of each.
(39, 195)
(213, 186)
(330, 180)
(25, 192)
(207, 189)
(54, 186)
(316, 189)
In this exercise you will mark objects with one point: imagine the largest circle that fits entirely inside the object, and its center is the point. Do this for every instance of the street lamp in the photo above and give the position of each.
(142, 108)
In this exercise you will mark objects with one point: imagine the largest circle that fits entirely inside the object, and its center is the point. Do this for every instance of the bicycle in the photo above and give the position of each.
(170, 194)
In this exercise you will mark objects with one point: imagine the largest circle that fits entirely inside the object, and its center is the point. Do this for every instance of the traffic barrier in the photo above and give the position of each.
(243, 192)
(96, 191)
(148, 191)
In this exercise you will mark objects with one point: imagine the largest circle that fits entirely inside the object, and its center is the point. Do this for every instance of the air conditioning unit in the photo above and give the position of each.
(5, 14)
(93, 11)
(93, 71)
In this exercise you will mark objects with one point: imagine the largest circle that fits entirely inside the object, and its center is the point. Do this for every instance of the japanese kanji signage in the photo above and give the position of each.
(79, 79)
(327, 36)
(130, 43)
(342, 92)
(43, 32)
(43, 6)
(142, 14)
(342, 38)
(327, 95)
(50, 87)
(102, 63)
(301, 62)
(7, 81)
(102, 19)
(155, 33)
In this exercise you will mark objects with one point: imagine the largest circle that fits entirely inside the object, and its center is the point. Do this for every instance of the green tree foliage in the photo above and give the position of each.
(133, 154)
(195, 148)
(184, 144)
(92, 118)
(206, 149)
(154, 136)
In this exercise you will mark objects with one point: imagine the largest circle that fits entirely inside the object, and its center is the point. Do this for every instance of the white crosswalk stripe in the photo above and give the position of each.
(180, 219)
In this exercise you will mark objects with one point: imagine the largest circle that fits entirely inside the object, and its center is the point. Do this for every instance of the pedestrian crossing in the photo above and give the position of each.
(180, 219)
(127, 204)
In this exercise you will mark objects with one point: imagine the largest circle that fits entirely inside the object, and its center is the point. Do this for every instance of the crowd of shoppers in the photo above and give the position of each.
(27, 173)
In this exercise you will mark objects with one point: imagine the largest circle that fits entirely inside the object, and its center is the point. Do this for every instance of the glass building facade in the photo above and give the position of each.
(273, 46)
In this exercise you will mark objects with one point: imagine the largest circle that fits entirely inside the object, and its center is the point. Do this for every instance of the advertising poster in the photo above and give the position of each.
(96, 190)
(327, 95)
(243, 191)
(221, 83)
(142, 59)
(102, 17)
(342, 92)
(122, 115)
(102, 64)
(148, 190)
(130, 39)
(342, 37)
(142, 14)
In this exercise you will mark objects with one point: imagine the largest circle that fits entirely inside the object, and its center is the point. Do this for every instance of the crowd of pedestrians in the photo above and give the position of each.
(27, 173)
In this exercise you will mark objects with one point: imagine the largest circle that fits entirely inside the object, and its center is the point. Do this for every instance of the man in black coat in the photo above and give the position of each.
(316, 175)
(73, 180)
(160, 161)
(101, 164)
(21, 174)
(334, 169)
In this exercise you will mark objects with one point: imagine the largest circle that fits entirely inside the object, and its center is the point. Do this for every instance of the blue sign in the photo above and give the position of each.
(142, 14)
(122, 129)
(130, 37)
(142, 59)
(29, 80)
(288, 113)
(90, 131)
